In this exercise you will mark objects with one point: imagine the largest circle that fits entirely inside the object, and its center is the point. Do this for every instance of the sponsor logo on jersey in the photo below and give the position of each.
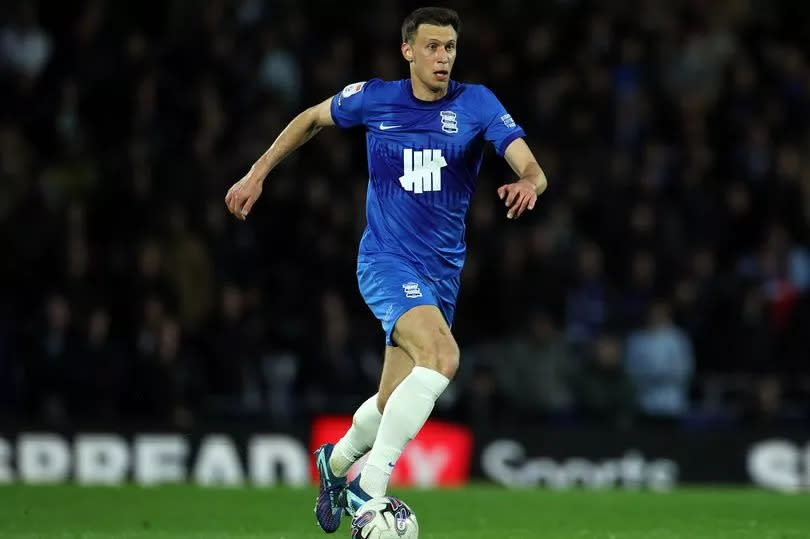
(508, 121)
(422, 170)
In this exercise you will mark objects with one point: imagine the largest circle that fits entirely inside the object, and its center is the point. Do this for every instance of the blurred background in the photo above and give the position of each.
(663, 279)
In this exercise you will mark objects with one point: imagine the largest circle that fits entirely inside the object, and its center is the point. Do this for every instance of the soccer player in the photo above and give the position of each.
(425, 138)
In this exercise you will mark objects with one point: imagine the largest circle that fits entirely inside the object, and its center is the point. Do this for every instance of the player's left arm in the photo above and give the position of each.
(522, 194)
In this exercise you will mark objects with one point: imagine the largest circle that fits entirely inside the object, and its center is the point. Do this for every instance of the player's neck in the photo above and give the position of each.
(423, 93)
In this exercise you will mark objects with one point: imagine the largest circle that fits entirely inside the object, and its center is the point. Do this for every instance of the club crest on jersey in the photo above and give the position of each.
(449, 123)
(353, 88)
(411, 290)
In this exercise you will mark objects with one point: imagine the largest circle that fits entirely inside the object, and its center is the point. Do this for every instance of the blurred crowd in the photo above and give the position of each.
(664, 278)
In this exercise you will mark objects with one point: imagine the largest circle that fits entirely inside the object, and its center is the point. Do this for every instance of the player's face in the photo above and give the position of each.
(432, 55)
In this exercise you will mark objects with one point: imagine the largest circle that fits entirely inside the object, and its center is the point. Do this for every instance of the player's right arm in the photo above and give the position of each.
(244, 193)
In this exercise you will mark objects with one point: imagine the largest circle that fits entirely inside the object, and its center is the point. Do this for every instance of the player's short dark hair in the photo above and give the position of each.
(438, 16)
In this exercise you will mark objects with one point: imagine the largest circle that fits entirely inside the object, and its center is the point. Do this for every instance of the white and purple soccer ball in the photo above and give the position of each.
(386, 517)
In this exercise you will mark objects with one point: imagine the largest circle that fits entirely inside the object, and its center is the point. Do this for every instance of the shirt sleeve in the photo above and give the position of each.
(349, 105)
(499, 127)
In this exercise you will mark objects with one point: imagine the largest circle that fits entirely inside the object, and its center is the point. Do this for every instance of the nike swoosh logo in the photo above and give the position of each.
(384, 127)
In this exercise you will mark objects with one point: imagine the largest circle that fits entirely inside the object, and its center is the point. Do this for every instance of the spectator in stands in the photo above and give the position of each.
(102, 369)
(605, 393)
(542, 369)
(24, 45)
(589, 302)
(52, 363)
(660, 363)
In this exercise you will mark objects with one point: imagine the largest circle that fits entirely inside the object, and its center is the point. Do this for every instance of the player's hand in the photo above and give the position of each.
(518, 197)
(242, 195)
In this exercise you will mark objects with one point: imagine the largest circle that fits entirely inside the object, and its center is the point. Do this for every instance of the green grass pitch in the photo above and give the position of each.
(475, 512)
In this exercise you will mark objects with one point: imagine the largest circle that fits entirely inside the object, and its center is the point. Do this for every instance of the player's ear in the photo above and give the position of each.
(407, 52)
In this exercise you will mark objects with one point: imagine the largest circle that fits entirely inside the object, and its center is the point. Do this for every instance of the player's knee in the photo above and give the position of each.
(448, 360)
(442, 356)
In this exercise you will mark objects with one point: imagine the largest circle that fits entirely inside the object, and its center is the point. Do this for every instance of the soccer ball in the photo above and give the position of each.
(384, 518)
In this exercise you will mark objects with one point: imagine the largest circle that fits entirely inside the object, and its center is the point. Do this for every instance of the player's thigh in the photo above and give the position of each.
(396, 366)
(424, 334)
(390, 287)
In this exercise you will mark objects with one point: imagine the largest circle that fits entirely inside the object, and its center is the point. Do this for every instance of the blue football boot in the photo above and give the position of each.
(328, 509)
(352, 497)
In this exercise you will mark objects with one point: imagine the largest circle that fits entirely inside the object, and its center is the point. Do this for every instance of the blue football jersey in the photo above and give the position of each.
(423, 160)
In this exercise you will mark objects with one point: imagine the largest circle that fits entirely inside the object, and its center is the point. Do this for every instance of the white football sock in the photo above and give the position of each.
(358, 439)
(407, 410)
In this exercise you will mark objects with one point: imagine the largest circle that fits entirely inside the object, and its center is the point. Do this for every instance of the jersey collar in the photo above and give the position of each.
(408, 88)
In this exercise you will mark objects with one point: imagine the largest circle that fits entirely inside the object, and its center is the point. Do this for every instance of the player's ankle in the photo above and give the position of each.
(374, 481)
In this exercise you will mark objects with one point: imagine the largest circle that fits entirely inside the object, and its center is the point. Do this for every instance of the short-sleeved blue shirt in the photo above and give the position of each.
(423, 160)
